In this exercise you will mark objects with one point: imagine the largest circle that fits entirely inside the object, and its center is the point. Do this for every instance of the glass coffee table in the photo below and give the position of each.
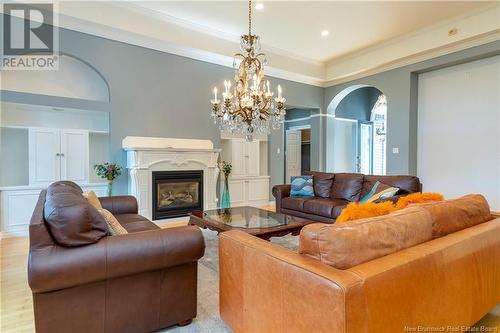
(258, 222)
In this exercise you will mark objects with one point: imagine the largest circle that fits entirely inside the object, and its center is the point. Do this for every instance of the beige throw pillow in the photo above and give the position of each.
(115, 228)
(92, 199)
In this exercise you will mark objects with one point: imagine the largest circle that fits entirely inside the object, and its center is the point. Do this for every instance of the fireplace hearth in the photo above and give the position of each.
(176, 193)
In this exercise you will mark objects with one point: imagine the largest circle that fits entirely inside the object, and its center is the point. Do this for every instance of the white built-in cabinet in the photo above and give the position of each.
(249, 182)
(57, 154)
(54, 154)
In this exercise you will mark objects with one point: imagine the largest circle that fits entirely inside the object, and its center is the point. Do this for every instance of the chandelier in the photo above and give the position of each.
(250, 108)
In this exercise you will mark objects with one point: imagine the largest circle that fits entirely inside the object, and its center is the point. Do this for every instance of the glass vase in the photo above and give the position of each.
(110, 188)
(226, 198)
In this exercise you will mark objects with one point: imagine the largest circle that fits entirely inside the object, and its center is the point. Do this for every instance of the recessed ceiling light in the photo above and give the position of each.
(259, 6)
(325, 33)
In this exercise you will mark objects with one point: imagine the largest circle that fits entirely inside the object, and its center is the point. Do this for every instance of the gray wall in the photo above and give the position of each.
(400, 87)
(358, 104)
(153, 93)
(14, 170)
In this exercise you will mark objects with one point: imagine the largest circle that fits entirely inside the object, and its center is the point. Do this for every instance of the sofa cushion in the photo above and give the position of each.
(347, 186)
(322, 183)
(302, 186)
(379, 192)
(351, 243)
(406, 184)
(71, 220)
(114, 227)
(454, 215)
(356, 211)
(294, 203)
(92, 199)
(135, 223)
(325, 207)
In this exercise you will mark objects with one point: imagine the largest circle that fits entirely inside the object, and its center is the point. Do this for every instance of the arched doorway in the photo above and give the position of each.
(356, 131)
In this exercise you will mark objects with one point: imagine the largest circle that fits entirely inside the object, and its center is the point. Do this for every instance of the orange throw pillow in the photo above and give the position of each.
(418, 198)
(355, 211)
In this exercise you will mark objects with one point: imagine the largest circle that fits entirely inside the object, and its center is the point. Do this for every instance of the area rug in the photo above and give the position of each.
(208, 319)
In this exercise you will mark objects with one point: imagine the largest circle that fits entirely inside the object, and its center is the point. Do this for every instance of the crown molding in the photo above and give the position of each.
(92, 28)
(230, 37)
(478, 40)
(475, 28)
(114, 23)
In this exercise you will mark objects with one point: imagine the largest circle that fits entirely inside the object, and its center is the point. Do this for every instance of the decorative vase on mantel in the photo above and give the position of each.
(226, 197)
(108, 171)
(225, 167)
(110, 187)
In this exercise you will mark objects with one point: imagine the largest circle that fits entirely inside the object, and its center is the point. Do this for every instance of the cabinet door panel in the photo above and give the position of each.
(258, 189)
(238, 158)
(17, 207)
(237, 191)
(252, 158)
(75, 152)
(44, 163)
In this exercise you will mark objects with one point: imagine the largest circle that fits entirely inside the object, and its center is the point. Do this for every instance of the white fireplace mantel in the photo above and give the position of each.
(145, 155)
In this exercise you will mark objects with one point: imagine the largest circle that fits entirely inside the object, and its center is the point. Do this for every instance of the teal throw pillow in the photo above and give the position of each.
(302, 186)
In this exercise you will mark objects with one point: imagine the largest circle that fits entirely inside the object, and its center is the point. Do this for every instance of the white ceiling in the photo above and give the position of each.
(294, 27)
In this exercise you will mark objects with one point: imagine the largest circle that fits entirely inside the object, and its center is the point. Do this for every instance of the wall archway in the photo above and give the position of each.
(356, 130)
(74, 79)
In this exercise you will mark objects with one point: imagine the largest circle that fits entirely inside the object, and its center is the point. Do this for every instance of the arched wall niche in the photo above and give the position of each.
(74, 78)
(349, 111)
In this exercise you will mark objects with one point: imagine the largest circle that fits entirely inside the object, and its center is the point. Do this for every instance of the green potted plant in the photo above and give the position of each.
(225, 167)
(108, 171)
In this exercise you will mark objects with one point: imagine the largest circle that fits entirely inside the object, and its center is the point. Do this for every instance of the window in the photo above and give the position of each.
(379, 118)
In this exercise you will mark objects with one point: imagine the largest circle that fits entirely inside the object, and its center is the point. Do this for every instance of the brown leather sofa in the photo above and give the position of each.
(430, 268)
(138, 282)
(334, 191)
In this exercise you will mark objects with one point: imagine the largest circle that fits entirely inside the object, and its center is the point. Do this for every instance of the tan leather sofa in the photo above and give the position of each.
(138, 282)
(450, 280)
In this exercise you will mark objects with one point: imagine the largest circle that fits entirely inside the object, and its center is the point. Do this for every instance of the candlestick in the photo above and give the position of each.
(215, 94)
(268, 88)
(279, 91)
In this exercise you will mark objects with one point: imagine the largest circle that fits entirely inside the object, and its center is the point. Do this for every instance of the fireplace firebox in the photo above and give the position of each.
(176, 193)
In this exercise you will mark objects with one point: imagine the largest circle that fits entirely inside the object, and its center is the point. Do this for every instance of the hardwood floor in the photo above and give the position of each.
(16, 306)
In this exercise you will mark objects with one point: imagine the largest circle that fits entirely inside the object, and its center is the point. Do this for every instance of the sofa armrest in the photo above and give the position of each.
(58, 267)
(120, 204)
(280, 192)
(300, 293)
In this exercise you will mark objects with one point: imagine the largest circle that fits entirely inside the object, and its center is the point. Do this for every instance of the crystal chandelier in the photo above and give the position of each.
(250, 107)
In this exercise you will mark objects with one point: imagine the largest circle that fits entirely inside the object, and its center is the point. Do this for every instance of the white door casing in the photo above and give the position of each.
(366, 148)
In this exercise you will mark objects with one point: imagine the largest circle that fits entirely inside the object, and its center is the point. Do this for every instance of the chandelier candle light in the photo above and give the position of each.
(250, 107)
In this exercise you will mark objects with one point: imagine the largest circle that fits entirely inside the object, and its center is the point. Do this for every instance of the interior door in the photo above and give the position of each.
(293, 154)
(44, 160)
(345, 145)
(365, 148)
(74, 155)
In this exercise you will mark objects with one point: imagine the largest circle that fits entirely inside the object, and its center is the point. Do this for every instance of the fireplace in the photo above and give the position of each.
(176, 193)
